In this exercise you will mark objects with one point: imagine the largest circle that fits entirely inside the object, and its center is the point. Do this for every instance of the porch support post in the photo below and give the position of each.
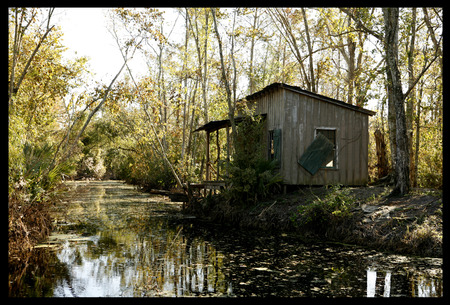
(218, 153)
(228, 151)
(207, 156)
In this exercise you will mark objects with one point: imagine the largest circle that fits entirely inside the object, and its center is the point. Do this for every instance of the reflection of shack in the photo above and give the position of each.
(316, 139)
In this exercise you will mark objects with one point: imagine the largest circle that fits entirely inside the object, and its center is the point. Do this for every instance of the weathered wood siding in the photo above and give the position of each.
(298, 116)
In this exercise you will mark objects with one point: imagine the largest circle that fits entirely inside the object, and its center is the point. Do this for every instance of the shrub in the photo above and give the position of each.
(319, 213)
(252, 177)
(34, 181)
(426, 235)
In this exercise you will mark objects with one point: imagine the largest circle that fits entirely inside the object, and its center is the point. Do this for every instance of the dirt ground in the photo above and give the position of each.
(410, 224)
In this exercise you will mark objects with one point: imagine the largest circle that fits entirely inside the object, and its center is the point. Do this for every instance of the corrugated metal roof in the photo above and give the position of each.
(275, 86)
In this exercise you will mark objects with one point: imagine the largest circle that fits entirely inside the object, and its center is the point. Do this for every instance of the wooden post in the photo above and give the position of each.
(228, 151)
(207, 157)
(218, 154)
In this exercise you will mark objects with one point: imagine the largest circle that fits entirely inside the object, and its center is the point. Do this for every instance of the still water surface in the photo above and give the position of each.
(112, 240)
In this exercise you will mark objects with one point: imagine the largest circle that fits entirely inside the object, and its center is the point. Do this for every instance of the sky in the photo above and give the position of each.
(86, 34)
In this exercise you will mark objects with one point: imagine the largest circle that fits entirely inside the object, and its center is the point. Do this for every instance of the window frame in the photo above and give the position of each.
(335, 149)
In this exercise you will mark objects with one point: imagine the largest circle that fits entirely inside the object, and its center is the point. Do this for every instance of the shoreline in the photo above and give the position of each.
(408, 225)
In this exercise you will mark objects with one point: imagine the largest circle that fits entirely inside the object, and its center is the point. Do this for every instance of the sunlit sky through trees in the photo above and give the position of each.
(86, 33)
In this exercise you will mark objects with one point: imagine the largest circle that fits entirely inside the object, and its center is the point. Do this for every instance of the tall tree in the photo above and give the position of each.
(411, 100)
(193, 16)
(22, 20)
(230, 102)
(391, 16)
(284, 21)
(396, 97)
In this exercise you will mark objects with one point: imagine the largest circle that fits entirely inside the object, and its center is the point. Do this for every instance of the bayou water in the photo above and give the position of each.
(112, 240)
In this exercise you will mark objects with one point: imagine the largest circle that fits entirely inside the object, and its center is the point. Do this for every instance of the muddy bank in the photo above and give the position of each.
(410, 224)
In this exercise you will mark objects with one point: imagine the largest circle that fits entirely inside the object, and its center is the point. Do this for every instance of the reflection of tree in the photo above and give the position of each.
(421, 285)
(135, 253)
(39, 276)
(426, 287)
(189, 267)
(371, 282)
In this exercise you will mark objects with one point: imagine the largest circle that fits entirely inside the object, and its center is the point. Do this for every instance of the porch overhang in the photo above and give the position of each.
(216, 125)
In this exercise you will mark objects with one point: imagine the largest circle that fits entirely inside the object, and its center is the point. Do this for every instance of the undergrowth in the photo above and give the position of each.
(251, 176)
(28, 224)
(318, 213)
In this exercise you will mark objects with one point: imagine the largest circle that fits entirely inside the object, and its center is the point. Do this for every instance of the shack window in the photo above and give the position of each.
(316, 154)
(330, 134)
(274, 147)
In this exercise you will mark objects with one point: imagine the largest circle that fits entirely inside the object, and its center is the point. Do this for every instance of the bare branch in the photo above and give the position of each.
(411, 87)
(361, 25)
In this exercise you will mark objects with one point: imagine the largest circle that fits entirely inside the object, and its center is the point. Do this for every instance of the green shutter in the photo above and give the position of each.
(277, 144)
(316, 154)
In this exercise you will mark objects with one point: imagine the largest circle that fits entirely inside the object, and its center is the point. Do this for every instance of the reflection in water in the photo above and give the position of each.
(371, 282)
(387, 285)
(427, 287)
(421, 286)
(133, 250)
(136, 244)
(96, 270)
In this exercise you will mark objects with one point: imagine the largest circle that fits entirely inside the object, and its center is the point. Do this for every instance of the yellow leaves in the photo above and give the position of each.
(140, 22)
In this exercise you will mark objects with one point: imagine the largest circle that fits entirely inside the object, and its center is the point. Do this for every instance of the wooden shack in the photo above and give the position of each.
(317, 140)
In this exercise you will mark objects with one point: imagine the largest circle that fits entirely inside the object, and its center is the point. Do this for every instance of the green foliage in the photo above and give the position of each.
(320, 212)
(156, 176)
(92, 165)
(36, 106)
(429, 171)
(252, 177)
(34, 182)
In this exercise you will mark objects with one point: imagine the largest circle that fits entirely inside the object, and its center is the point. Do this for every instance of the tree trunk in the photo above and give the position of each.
(311, 61)
(416, 160)
(205, 66)
(411, 99)
(225, 81)
(186, 96)
(19, 32)
(234, 84)
(402, 183)
(251, 76)
(391, 122)
(68, 153)
(351, 69)
(382, 165)
(286, 31)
